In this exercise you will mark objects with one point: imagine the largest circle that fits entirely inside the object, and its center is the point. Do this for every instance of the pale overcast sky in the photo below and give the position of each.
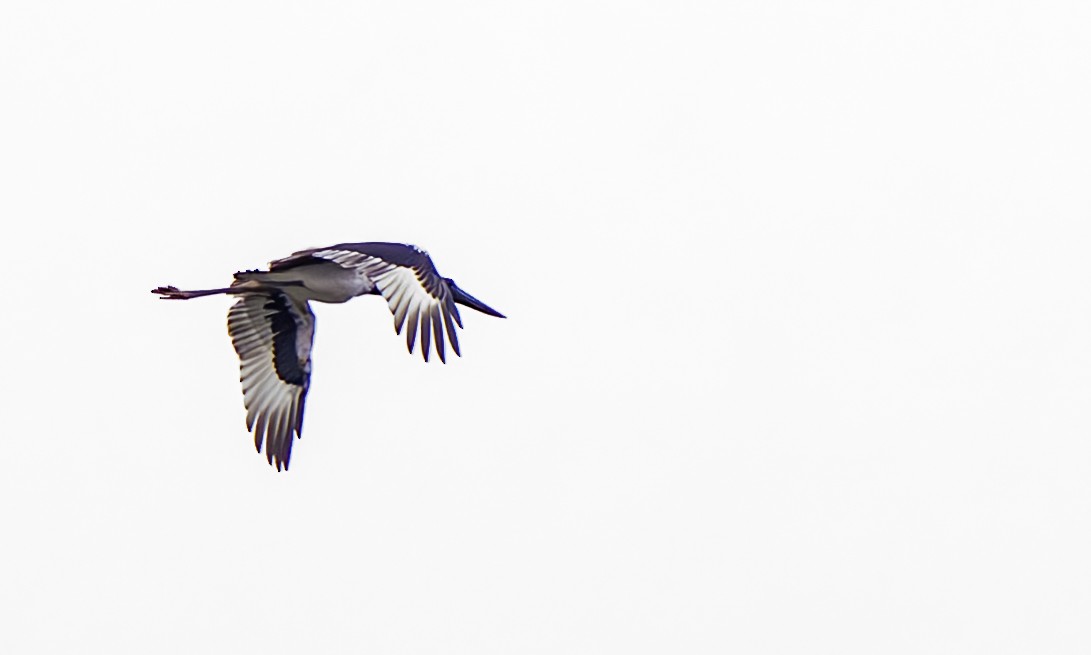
(797, 357)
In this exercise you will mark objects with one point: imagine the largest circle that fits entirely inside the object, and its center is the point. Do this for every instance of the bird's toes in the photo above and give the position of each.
(169, 293)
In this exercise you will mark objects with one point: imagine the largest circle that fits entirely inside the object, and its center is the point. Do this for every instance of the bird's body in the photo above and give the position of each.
(272, 327)
(320, 281)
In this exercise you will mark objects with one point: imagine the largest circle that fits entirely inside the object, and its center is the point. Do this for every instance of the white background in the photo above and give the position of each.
(797, 358)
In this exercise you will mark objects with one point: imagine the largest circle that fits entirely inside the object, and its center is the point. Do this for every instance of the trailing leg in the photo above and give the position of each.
(174, 293)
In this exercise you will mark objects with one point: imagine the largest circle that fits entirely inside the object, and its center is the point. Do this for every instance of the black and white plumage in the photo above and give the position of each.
(273, 335)
(272, 327)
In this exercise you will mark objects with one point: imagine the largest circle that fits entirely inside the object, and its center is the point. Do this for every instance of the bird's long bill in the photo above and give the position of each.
(463, 298)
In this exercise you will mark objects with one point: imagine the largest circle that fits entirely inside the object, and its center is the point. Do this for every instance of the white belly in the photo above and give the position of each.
(323, 282)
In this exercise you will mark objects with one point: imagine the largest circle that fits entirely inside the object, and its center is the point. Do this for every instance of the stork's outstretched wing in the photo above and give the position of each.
(416, 293)
(272, 333)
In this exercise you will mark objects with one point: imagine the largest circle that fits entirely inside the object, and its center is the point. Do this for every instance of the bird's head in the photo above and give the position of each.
(463, 298)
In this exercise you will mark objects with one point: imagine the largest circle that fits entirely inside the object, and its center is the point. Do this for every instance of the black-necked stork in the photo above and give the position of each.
(272, 327)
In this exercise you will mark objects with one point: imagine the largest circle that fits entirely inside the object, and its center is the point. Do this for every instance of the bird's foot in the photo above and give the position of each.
(171, 293)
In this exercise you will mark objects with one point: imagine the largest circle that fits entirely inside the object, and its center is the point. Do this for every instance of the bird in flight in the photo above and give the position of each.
(272, 327)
